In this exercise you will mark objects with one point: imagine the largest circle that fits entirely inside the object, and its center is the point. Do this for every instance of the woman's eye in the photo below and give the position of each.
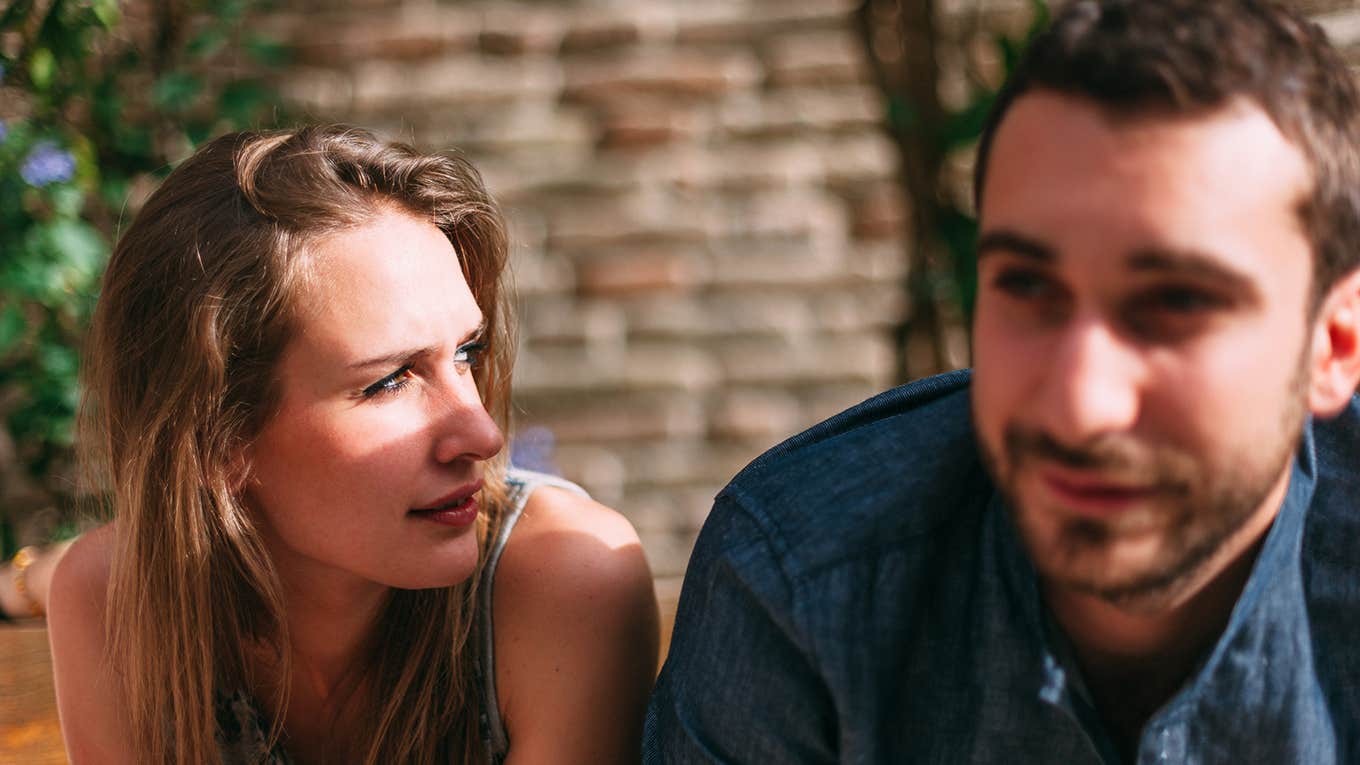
(468, 355)
(391, 383)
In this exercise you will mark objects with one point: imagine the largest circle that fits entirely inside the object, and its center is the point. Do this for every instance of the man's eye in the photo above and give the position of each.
(390, 384)
(468, 355)
(1024, 284)
(1181, 300)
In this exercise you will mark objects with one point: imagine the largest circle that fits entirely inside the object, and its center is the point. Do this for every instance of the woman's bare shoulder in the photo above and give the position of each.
(87, 696)
(88, 559)
(576, 631)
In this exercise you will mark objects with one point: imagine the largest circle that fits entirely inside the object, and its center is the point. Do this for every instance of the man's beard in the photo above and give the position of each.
(1195, 507)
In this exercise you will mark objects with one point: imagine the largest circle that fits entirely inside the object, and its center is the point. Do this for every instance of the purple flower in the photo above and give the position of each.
(47, 164)
(4, 129)
(532, 449)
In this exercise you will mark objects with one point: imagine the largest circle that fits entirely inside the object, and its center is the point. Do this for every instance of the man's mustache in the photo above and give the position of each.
(1116, 457)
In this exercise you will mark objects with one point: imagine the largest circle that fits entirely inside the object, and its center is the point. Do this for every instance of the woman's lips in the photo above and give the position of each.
(457, 508)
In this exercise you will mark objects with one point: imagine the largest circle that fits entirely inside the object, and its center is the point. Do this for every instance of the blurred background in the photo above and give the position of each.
(730, 218)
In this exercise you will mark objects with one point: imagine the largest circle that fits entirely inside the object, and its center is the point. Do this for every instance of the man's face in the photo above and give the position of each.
(1141, 339)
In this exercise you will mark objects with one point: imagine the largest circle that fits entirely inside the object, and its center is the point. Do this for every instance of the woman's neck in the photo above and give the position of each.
(330, 622)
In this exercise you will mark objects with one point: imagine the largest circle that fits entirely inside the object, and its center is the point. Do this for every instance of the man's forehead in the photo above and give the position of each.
(1065, 175)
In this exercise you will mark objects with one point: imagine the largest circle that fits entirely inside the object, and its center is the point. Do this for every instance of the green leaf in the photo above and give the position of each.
(267, 51)
(175, 91)
(12, 325)
(207, 42)
(13, 16)
(240, 101)
(107, 12)
(42, 66)
(964, 126)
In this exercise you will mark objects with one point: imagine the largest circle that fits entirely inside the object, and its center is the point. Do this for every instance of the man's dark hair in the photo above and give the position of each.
(1152, 58)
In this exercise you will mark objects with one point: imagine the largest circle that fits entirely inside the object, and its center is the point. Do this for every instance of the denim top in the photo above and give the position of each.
(860, 595)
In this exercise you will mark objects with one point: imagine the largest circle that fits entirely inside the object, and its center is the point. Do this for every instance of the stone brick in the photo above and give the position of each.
(630, 219)
(826, 58)
(534, 273)
(557, 371)
(599, 470)
(716, 314)
(465, 80)
(748, 166)
(513, 31)
(642, 122)
(811, 359)
(766, 262)
(677, 74)
(411, 33)
(589, 419)
(779, 213)
(878, 211)
(668, 551)
(803, 14)
(860, 159)
(755, 414)
(794, 112)
(556, 319)
(823, 402)
(679, 464)
(875, 308)
(522, 125)
(603, 35)
(641, 271)
(323, 93)
(1342, 27)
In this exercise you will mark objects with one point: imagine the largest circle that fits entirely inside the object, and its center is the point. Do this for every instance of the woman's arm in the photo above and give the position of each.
(576, 633)
(24, 593)
(87, 697)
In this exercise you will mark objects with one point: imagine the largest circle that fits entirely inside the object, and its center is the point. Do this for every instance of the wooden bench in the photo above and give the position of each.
(29, 732)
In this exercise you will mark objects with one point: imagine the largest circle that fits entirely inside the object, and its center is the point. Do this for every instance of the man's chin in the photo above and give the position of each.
(1135, 569)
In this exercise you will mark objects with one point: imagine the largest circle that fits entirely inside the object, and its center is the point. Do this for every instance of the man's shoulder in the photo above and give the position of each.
(895, 467)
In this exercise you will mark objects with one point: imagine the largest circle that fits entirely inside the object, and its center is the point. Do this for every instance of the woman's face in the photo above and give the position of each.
(370, 468)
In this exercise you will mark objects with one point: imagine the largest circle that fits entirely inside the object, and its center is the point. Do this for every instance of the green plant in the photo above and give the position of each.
(904, 44)
(98, 101)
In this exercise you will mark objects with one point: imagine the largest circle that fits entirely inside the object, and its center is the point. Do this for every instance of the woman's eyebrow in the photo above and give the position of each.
(406, 354)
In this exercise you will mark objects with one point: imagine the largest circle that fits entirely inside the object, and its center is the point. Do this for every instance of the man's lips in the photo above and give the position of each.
(1093, 493)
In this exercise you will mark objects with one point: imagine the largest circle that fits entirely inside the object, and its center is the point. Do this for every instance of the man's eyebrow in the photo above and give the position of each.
(406, 354)
(1195, 265)
(1013, 243)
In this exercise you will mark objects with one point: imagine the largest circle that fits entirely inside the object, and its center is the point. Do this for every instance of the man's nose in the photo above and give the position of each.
(1091, 386)
(464, 429)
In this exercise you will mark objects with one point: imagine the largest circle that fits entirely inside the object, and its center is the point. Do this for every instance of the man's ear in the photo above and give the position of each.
(1335, 361)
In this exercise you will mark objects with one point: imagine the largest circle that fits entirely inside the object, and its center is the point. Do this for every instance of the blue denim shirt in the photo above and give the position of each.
(859, 595)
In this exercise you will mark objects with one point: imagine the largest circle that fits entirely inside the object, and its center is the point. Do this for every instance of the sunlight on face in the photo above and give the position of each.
(363, 477)
(1140, 336)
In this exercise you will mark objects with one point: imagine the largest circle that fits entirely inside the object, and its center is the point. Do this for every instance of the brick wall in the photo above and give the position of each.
(707, 229)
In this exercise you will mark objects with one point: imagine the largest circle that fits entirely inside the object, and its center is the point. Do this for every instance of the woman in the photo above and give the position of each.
(296, 387)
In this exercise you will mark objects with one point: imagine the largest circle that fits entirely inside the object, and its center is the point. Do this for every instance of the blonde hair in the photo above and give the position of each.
(196, 307)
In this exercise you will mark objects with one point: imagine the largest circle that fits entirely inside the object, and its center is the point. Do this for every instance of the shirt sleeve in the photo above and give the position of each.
(738, 685)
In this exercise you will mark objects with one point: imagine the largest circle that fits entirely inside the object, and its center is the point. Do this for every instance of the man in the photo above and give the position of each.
(1132, 534)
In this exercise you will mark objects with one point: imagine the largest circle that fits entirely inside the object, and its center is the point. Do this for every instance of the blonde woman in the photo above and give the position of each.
(297, 380)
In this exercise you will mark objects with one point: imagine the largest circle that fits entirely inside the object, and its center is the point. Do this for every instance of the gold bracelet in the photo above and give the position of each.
(22, 560)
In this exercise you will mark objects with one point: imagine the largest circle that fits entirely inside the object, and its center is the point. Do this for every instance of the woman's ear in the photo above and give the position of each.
(1334, 365)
